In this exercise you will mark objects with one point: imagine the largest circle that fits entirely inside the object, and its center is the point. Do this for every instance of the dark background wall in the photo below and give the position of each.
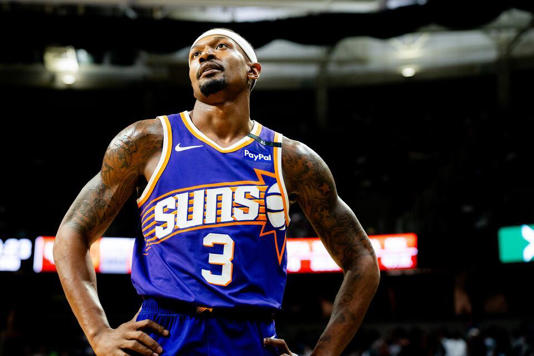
(439, 158)
(435, 158)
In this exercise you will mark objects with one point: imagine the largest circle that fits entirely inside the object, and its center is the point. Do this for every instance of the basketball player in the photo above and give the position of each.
(211, 266)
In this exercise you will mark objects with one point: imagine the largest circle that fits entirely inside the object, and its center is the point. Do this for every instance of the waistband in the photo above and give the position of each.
(173, 306)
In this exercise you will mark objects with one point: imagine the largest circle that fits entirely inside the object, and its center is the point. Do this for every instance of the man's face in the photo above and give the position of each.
(217, 67)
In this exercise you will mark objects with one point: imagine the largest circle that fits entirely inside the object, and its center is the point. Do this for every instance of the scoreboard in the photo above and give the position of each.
(394, 252)
(114, 254)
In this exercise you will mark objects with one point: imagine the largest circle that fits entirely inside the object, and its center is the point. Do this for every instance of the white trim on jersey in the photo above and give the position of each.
(161, 161)
(278, 137)
(213, 143)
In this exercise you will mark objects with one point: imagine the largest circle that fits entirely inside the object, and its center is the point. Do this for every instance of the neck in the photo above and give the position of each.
(225, 122)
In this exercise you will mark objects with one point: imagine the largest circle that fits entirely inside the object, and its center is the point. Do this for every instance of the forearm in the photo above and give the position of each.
(77, 275)
(311, 184)
(352, 301)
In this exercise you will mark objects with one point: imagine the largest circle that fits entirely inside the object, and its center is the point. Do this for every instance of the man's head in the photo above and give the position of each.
(221, 64)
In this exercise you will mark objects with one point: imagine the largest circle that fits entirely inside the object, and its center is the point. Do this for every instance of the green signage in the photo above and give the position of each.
(516, 244)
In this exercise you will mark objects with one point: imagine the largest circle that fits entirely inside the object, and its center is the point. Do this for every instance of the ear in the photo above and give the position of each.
(254, 71)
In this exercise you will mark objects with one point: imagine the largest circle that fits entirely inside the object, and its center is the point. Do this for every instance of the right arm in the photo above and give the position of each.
(131, 153)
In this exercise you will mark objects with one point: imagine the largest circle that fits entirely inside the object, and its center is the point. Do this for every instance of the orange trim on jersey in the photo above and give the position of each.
(143, 222)
(278, 178)
(204, 309)
(260, 181)
(235, 205)
(162, 168)
(218, 148)
(200, 227)
(144, 213)
(261, 217)
(279, 253)
(149, 225)
(152, 231)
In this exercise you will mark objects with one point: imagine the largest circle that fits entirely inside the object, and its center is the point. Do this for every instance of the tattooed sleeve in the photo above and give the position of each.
(125, 161)
(311, 184)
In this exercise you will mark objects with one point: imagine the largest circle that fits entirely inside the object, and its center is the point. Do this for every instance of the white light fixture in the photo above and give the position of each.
(410, 46)
(63, 62)
(61, 59)
(67, 78)
(408, 71)
(394, 4)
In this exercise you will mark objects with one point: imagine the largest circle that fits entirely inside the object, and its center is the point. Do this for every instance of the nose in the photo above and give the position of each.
(206, 55)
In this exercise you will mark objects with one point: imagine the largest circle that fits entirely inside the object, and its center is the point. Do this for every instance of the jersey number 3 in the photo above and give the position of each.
(223, 259)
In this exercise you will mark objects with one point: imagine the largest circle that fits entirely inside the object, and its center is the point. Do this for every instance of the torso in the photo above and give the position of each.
(241, 228)
(152, 161)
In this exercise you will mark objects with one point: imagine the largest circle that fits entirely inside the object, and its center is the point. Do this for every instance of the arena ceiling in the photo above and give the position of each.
(301, 43)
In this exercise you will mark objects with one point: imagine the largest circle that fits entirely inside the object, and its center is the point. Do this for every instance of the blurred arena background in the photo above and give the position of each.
(423, 110)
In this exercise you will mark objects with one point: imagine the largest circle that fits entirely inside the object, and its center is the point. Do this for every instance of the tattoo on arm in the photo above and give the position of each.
(124, 161)
(311, 184)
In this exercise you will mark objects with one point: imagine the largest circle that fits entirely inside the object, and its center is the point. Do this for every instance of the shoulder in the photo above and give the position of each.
(297, 158)
(143, 132)
(132, 147)
(303, 167)
(139, 132)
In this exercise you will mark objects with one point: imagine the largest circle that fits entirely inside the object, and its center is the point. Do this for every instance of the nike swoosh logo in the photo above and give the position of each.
(179, 148)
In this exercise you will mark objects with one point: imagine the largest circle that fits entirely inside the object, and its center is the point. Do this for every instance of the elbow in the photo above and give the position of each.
(373, 270)
(366, 267)
(58, 251)
(377, 274)
(68, 244)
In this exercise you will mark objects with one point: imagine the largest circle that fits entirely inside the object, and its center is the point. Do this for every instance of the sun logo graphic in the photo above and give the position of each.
(275, 207)
(244, 204)
(259, 202)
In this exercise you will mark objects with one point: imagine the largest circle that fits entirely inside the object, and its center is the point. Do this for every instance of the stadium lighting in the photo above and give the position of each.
(63, 62)
(408, 71)
(68, 78)
(61, 59)
(394, 4)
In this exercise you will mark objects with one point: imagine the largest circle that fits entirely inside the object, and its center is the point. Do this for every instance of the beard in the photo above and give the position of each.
(213, 86)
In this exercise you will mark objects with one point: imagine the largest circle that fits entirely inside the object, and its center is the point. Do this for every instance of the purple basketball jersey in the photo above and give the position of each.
(214, 220)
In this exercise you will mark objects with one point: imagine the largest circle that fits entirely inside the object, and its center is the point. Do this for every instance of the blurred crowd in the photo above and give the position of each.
(494, 340)
(499, 339)
(436, 158)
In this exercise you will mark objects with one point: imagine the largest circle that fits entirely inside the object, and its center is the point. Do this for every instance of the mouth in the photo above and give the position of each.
(209, 72)
(209, 69)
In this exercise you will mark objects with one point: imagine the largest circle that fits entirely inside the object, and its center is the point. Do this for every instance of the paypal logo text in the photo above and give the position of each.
(257, 156)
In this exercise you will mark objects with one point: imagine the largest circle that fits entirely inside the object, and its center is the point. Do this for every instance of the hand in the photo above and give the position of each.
(129, 337)
(279, 344)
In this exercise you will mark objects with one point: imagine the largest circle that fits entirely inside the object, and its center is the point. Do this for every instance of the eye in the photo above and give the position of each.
(195, 54)
(222, 45)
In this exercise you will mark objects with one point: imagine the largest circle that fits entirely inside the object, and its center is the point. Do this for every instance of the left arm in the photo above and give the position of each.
(310, 183)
